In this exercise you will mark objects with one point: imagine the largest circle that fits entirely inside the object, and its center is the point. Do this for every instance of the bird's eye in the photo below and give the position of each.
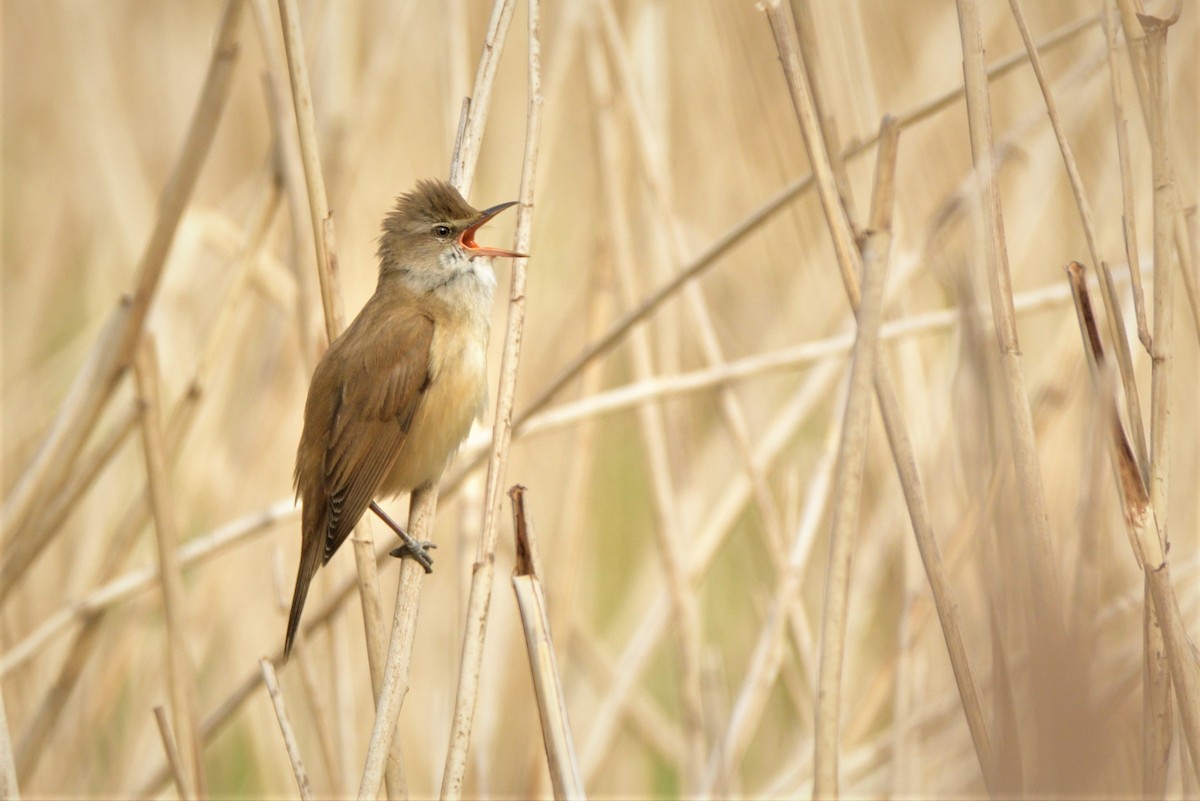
(441, 231)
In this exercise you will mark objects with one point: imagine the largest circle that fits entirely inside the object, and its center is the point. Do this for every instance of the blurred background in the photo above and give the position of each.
(666, 124)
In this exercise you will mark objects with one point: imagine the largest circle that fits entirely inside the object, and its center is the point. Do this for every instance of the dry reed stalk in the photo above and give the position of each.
(1128, 217)
(898, 438)
(479, 598)
(668, 528)
(1146, 535)
(285, 727)
(847, 483)
(1112, 305)
(181, 676)
(9, 788)
(535, 620)
(1016, 403)
(183, 783)
(1158, 728)
(111, 355)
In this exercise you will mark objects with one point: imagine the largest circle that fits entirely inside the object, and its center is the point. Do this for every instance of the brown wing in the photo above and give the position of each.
(361, 403)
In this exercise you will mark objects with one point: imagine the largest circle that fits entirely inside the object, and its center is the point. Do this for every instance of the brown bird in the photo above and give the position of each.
(395, 394)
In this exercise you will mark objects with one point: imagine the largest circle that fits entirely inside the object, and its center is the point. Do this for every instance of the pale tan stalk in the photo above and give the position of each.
(1146, 536)
(1157, 714)
(1031, 490)
(285, 727)
(318, 206)
(898, 438)
(1112, 304)
(1128, 216)
(181, 676)
(793, 357)
(479, 599)
(183, 782)
(847, 490)
(114, 348)
(535, 620)
(668, 528)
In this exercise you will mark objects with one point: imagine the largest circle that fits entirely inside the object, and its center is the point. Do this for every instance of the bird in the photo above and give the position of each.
(395, 394)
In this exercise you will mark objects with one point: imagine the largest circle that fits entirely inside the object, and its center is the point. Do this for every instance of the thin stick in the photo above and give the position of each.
(1112, 305)
(310, 157)
(1043, 574)
(847, 488)
(285, 727)
(481, 578)
(787, 359)
(552, 705)
(181, 676)
(111, 355)
(183, 784)
(1145, 531)
(1128, 217)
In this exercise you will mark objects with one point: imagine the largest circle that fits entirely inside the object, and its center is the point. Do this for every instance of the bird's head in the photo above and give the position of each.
(430, 235)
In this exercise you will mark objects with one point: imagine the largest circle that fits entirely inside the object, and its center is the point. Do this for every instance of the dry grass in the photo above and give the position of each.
(677, 437)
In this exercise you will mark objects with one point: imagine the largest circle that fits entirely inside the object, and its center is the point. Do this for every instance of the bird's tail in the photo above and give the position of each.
(309, 560)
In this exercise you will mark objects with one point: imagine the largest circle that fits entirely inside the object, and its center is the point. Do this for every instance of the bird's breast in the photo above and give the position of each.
(455, 396)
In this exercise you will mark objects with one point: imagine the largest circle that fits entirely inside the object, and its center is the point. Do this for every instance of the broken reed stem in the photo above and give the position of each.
(181, 677)
(310, 157)
(1112, 304)
(1146, 535)
(114, 348)
(1128, 216)
(783, 28)
(183, 784)
(479, 598)
(285, 727)
(1043, 573)
(552, 705)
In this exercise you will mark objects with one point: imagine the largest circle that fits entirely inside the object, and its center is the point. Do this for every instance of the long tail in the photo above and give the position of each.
(309, 561)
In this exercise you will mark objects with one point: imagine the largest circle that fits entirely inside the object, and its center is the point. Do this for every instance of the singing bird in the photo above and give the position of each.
(395, 394)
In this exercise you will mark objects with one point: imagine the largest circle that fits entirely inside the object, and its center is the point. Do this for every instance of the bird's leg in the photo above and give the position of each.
(412, 548)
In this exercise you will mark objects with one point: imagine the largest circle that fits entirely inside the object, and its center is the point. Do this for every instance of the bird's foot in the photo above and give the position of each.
(415, 550)
(411, 548)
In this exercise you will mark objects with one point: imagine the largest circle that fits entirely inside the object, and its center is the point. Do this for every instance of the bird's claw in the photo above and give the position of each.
(416, 550)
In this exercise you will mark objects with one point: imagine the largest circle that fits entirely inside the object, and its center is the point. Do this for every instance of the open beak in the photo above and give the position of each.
(467, 237)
